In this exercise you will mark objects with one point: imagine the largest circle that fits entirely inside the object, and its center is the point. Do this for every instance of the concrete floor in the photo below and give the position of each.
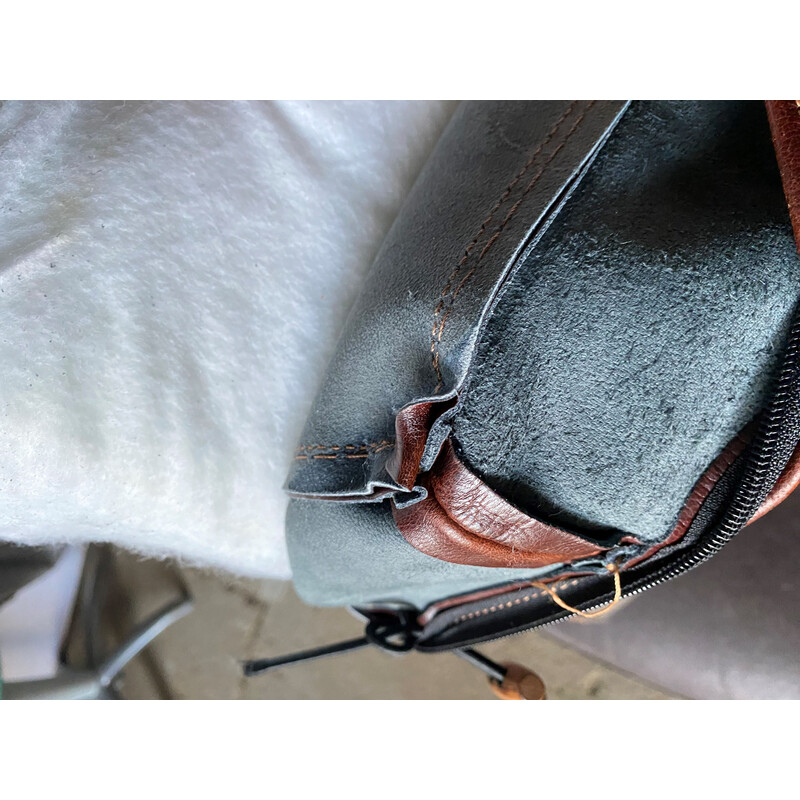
(235, 619)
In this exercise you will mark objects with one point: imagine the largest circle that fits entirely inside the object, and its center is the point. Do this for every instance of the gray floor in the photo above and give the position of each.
(236, 619)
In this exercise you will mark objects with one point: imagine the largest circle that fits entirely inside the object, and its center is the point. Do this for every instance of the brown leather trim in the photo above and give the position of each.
(463, 521)
(784, 121)
(698, 495)
(412, 425)
(786, 484)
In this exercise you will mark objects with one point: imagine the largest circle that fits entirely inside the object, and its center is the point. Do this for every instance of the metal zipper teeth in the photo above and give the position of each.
(751, 486)
(742, 507)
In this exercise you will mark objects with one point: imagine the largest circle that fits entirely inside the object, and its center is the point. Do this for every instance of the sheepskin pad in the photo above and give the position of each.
(173, 277)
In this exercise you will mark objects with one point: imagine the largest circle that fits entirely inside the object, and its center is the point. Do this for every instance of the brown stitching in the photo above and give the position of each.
(535, 180)
(510, 214)
(527, 598)
(503, 197)
(438, 327)
(355, 451)
(382, 445)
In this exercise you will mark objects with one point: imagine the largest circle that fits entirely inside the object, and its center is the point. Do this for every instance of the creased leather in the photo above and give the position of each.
(784, 120)
(412, 425)
(495, 180)
(463, 521)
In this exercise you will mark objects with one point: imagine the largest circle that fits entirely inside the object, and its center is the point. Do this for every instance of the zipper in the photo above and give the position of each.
(397, 630)
(777, 434)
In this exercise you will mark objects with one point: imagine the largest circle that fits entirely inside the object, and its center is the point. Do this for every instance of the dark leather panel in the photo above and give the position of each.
(699, 494)
(641, 333)
(784, 120)
(498, 174)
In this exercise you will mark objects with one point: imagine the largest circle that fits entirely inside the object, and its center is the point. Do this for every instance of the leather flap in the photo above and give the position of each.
(496, 178)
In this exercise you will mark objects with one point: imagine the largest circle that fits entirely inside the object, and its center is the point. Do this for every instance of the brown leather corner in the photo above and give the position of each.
(412, 426)
(463, 521)
(784, 121)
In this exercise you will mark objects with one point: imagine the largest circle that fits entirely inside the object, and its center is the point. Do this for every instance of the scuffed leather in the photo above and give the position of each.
(412, 426)
(493, 183)
(642, 332)
(360, 466)
(463, 521)
(708, 480)
(784, 120)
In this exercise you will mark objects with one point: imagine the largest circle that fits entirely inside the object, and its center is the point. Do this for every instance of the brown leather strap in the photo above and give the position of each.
(784, 120)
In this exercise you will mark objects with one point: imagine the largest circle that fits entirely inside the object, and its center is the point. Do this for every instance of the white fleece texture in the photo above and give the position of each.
(173, 277)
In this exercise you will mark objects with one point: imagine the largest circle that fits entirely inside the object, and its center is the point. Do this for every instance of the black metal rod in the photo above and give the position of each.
(263, 664)
(492, 669)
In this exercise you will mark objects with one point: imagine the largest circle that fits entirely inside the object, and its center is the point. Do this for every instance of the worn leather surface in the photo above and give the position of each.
(727, 630)
(462, 520)
(352, 553)
(640, 335)
(784, 120)
(491, 185)
(704, 486)
(641, 284)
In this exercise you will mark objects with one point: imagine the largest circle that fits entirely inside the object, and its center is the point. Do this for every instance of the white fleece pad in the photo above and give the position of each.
(173, 277)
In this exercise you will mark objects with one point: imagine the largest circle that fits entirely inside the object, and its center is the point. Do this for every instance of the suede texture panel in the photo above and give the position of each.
(640, 335)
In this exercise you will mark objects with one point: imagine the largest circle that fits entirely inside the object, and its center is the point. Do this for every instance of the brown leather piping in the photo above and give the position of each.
(463, 521)
(788, 481)
(412, 426)
(784, 122)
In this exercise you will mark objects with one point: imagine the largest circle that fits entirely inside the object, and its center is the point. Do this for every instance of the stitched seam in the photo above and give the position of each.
(434, 340)
(438, 325)
(343, 451)
(533, 182)
(527, 598)
(346, 446)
